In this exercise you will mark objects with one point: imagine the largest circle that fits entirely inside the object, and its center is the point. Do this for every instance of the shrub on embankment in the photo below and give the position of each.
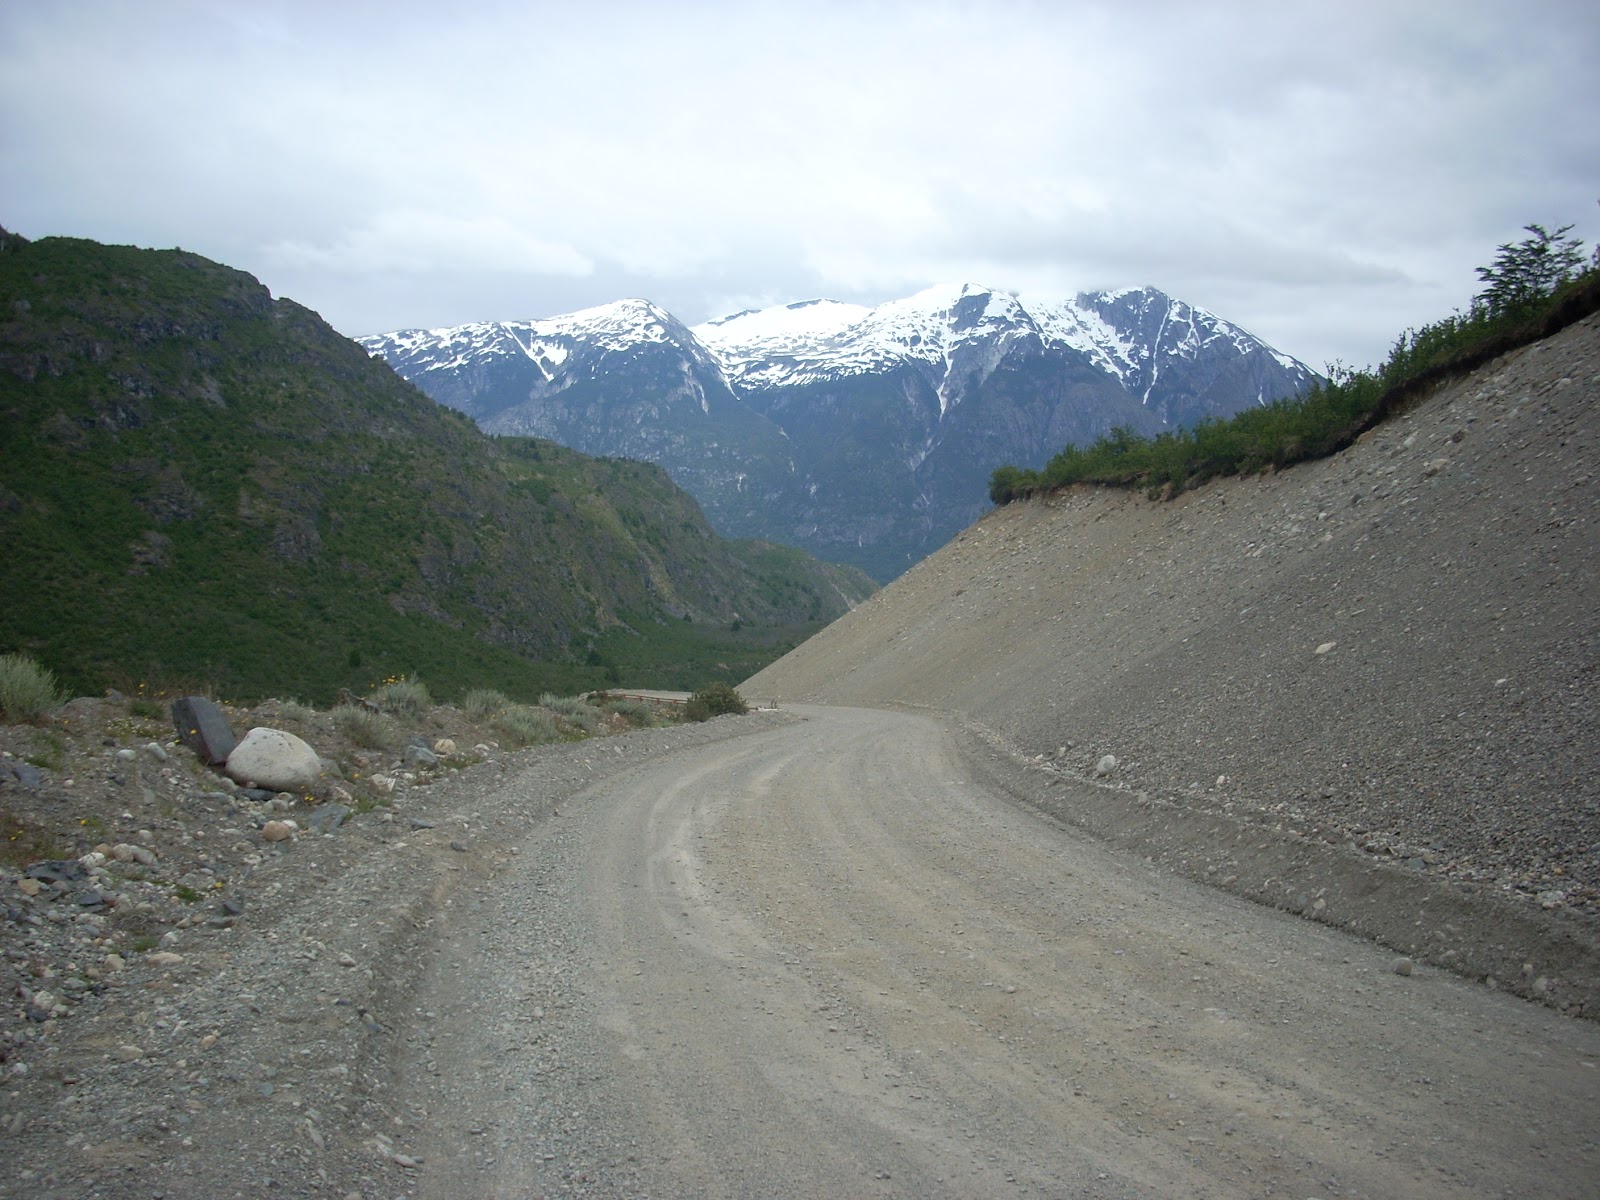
(1534, 290)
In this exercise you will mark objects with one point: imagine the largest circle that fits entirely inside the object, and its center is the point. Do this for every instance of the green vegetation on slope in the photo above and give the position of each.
(1535, 288)
(201, 486)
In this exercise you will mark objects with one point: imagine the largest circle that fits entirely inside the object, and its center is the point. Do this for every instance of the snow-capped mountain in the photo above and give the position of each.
(866, 435)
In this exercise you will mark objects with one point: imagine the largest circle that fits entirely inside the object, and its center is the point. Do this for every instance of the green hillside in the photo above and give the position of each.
(202, 486)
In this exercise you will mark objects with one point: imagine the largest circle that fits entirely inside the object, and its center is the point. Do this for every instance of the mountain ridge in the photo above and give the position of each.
(865, 435)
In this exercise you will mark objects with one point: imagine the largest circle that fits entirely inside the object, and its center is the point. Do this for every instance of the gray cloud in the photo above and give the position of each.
(1324, 175)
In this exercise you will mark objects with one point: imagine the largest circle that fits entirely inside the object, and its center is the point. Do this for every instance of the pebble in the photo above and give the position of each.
(1401, 966)
(277, 831)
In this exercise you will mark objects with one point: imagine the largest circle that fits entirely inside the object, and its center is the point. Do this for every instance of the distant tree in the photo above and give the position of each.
(1527, 271)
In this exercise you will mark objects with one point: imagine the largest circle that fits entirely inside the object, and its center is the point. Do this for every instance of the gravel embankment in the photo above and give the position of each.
(1388, 657)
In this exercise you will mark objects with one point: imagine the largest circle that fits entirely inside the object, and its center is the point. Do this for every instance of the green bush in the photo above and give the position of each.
(27, 690)
(482, 703)
(714, 700)
(406, 698)
(376, 731)
(523, 725)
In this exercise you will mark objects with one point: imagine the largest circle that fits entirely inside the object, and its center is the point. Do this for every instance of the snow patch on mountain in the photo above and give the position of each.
(795, 344)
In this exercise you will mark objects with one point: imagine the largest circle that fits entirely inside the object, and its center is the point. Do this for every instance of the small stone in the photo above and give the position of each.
(328, 818)
(277, 831)
(421, 756)
(128, 1053)
(346, 961)
(444, 747)
(1401, 966)
(28, 887)
(164, 958)
(1326, 648)
(156, 751)
(381, 783)
(1106, 765)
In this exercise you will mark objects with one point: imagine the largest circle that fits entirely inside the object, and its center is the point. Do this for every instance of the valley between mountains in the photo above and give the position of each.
(1239, 845)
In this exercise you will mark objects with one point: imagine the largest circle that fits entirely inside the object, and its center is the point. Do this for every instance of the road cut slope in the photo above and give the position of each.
(1364, 687)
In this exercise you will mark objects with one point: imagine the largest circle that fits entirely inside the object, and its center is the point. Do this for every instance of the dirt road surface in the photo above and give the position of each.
(823, 960)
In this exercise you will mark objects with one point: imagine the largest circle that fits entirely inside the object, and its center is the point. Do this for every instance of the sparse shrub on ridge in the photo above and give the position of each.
(294, 710)
(407, 698)
(27, 690)
(635, 712)
(580, 712)
(376, 731)
(714, 700)
(482, 703)
(523, 725)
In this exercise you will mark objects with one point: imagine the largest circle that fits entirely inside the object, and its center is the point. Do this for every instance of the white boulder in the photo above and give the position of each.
(275, 760)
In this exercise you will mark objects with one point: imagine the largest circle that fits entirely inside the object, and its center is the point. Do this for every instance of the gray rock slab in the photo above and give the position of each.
(202, 727)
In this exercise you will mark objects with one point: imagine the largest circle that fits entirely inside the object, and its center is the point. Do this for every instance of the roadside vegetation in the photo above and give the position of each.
(1534, 288)
(27, 690)
(393, 709)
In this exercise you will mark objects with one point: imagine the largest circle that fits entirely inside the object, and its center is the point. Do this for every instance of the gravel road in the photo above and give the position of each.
(829, 959)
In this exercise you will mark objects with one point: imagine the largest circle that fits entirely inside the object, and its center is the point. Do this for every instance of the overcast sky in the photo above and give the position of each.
(1324, 174)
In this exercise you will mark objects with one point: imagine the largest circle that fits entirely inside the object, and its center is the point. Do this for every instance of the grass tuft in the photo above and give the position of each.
(27, 690)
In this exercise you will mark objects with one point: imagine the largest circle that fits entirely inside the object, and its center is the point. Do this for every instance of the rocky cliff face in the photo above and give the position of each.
(864, 435)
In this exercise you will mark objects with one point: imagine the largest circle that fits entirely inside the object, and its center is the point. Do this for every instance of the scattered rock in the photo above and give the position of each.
(277, 831)
(23, 775)
(1106, 765)
(328, 818)
(420, 756)
(1401, 966)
